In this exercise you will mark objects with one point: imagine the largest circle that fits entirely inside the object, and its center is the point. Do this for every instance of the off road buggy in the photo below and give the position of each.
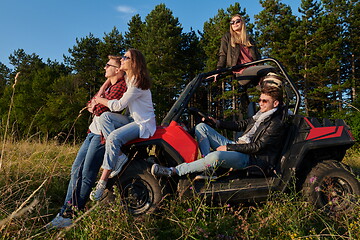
(312, 154)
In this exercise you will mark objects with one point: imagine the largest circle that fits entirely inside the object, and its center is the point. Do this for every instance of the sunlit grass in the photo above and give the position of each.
(27, 165)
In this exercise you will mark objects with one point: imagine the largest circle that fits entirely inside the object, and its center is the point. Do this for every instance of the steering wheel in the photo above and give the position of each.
(199, 114)
(196, 111)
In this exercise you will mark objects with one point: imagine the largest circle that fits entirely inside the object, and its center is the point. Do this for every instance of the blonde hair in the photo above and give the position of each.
(241, 37)
(116, 58)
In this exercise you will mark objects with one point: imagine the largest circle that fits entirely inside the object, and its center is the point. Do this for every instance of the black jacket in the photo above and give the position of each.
(267, 140)
(228, 55)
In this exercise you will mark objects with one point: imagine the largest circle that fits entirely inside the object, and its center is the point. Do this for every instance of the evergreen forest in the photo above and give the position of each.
(318, 45)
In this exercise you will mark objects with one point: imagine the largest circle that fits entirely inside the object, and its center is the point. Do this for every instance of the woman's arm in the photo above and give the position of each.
(130, 95)
(223, 51)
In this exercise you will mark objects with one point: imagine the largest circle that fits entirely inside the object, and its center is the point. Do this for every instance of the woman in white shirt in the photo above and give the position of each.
(138, 99)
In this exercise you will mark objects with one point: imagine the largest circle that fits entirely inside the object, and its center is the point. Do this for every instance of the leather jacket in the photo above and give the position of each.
(228, 55)
(265, 146)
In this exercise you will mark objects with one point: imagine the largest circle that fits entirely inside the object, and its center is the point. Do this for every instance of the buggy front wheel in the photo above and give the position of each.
(139, 190)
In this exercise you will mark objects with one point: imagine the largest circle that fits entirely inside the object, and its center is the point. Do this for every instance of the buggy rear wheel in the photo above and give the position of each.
(331, 186)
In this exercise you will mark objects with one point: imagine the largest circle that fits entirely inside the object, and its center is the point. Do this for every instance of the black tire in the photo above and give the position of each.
(331, 186)
(139, 190)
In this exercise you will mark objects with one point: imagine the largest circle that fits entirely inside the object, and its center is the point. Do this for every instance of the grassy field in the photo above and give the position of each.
(33, 182)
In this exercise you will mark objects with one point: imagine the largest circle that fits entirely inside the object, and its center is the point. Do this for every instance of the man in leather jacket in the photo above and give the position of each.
(259, 145)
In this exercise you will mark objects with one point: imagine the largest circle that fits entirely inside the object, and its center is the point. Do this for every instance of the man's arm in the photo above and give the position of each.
(115, 92)
(234, 125)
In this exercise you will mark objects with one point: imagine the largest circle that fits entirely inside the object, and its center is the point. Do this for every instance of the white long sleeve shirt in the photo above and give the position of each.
(140, 106)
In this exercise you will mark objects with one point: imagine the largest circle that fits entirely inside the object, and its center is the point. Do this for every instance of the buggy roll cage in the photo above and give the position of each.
(184, 98)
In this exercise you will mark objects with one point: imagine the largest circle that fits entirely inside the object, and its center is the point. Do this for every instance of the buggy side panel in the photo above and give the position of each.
(314, 142)
(177, 138)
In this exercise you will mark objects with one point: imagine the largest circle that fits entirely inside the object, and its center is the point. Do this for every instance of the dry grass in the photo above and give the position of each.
(33, 184)
(34, 177)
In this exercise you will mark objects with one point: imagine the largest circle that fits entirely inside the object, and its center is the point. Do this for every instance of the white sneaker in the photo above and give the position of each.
(98, 192)
(59, 222)
(118, 166)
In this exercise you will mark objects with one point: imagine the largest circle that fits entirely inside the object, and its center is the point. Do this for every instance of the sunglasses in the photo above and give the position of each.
(125, 58)
(109, 65)
(263, 100)
(235, 22)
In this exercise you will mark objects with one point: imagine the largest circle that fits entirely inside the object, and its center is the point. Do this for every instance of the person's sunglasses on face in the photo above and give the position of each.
(235, 22)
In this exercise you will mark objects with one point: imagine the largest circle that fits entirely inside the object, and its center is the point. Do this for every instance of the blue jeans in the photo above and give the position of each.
(110, 121)
(116, 139)
(208, 139)
(84, 172)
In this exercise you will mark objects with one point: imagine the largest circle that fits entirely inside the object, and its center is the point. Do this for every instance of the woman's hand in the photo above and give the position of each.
(101, 100)
(213, 76)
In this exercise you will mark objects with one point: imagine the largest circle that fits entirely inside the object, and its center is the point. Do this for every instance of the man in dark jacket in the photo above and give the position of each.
(259, 145)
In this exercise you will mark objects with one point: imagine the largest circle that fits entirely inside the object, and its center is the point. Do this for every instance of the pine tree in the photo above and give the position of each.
(112, 44)
(63, 107)
(318, 50)
(274, 25)
(133, 35)
(352, 48)
(192, 55)
(86, 62)
(32, 90)
(4, 77)
(161, 41)
(354, 35)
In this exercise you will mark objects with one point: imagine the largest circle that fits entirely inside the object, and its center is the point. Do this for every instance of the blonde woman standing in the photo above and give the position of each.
(236, 45)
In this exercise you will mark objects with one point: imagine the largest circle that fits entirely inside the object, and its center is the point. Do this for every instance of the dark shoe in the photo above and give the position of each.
(159, 171)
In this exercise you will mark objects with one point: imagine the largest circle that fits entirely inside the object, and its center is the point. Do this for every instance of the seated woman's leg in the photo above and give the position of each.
(208, 138)
(114, 160)
(226, 159)
(110, 121)
(116, 139)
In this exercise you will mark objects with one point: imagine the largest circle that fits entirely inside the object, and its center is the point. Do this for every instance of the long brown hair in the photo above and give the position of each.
(241, 38)
(139, 69)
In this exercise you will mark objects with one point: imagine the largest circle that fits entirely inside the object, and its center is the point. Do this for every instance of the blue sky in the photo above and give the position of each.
(49, 28)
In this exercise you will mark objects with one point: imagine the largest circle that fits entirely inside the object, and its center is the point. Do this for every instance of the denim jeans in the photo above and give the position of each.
(208, 139)
(84, 172)
(116, 139)
(110, 121)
